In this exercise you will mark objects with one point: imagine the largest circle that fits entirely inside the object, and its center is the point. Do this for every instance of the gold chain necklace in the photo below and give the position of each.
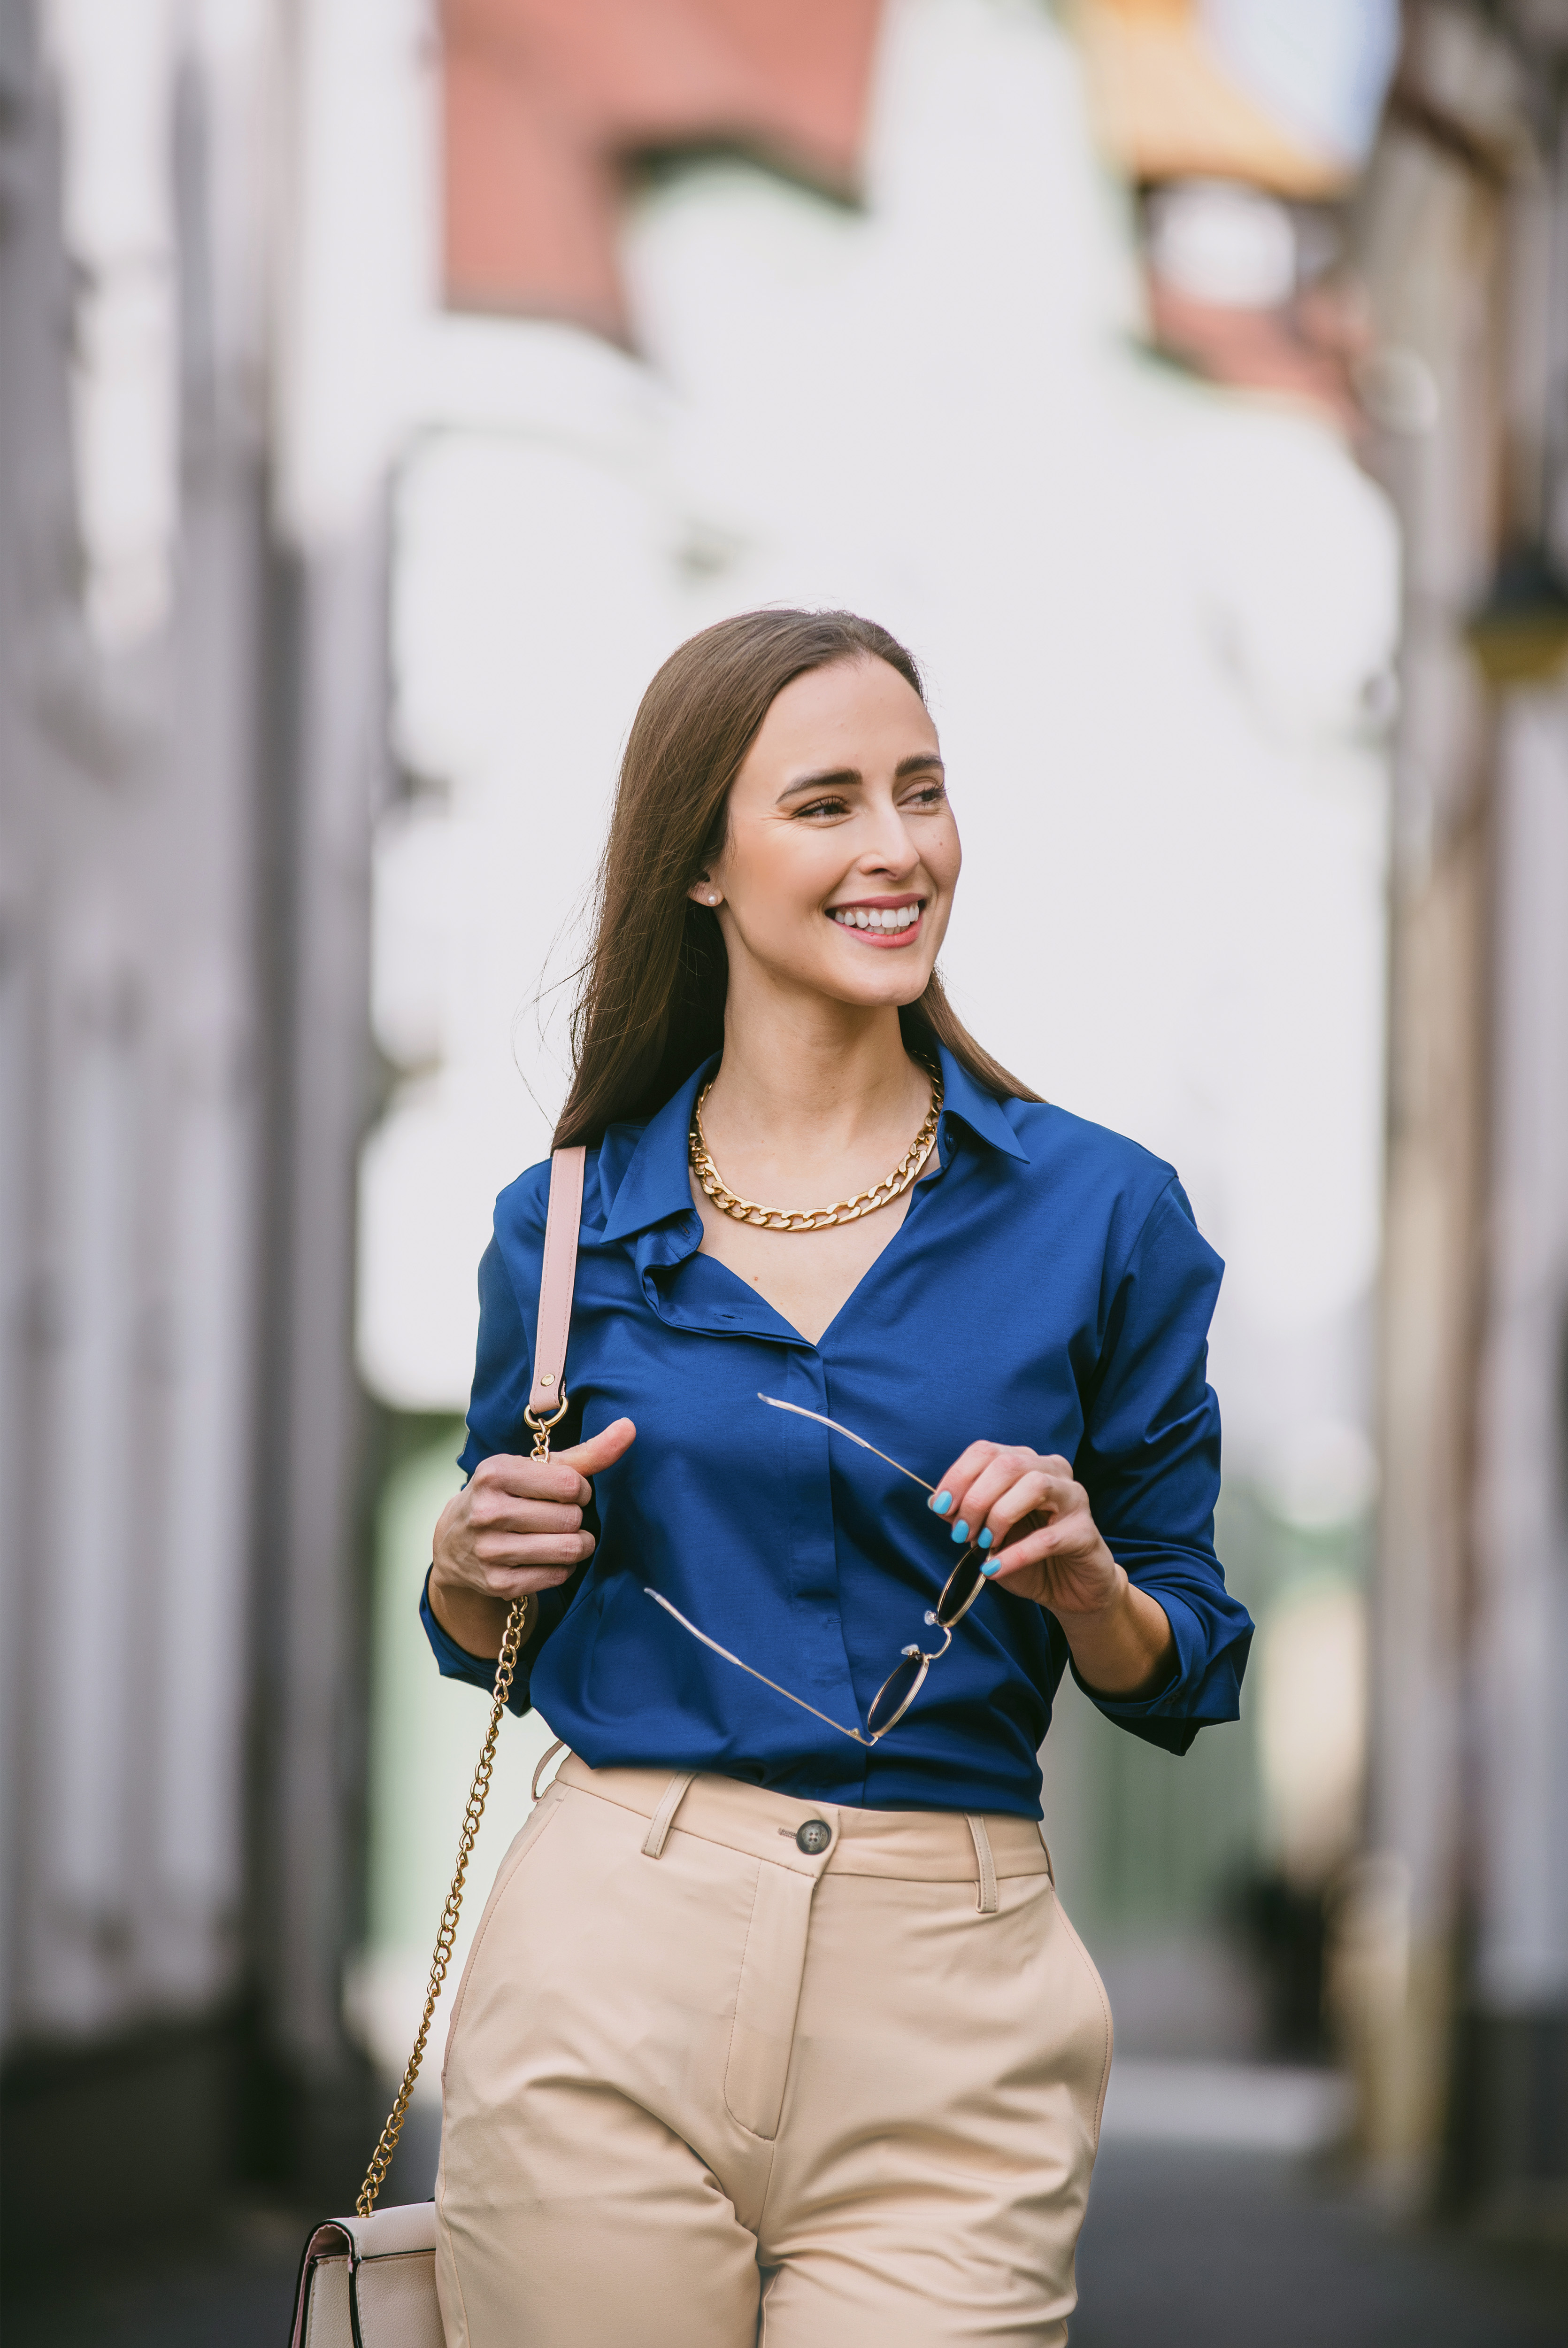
(815, 1218)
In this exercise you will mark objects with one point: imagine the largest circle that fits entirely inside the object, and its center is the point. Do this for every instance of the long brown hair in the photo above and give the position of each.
(651, 1001)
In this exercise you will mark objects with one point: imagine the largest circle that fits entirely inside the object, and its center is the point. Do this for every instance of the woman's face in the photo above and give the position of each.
(838, 871)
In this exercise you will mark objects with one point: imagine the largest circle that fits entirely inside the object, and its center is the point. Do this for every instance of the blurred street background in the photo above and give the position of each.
(386, 387)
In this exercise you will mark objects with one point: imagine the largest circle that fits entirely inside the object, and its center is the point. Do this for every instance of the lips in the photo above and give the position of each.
(895, 922)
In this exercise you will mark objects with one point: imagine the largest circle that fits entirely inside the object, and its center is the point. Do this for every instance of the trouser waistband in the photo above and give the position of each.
(910, 1846)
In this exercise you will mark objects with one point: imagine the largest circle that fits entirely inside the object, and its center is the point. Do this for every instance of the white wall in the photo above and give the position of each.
(1149, 613)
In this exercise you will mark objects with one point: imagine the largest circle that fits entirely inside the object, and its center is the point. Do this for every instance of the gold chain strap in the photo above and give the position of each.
(478, 1792)
(815, 1219)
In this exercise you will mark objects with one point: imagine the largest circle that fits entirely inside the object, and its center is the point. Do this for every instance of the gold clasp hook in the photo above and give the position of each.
(542, 1426)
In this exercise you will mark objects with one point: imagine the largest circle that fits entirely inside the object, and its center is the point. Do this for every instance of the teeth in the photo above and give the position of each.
(860, 917)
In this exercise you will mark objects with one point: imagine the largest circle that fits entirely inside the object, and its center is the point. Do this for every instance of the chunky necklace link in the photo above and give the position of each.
(815, 1218)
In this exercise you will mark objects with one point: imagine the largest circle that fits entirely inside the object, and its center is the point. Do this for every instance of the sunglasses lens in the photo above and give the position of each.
(965, 1584)
(896, 1694)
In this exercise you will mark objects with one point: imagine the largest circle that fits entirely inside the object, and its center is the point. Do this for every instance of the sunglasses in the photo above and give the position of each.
(904, 1682)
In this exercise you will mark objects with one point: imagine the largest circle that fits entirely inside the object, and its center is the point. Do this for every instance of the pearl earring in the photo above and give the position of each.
(714, 900)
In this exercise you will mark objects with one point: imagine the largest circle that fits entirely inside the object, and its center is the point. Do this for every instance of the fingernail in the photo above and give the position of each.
(990, 1566)
(984, 1541)
(942, 1502)
(960, 1530)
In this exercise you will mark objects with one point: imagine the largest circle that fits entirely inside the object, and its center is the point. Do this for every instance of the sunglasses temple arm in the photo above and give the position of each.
(775, 1403)
(855, 1734)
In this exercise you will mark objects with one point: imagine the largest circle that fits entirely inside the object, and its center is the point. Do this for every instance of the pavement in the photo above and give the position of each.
(1202, 2247)
(1186, 2246)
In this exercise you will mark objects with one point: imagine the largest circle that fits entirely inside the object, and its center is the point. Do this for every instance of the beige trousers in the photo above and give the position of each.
(707, 2086)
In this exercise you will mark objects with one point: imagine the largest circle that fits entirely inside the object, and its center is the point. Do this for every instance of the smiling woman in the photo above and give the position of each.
(840, 2044)
(654, 996)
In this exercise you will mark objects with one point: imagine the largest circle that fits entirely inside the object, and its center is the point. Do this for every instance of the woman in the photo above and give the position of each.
(773, 2027)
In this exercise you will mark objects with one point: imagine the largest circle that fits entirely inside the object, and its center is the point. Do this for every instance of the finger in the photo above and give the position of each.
(508, 1472)
(1028, 1549)
(506, 1512)
(512, 1551)
(1036, 1494)
(973, 1506)
(977, 1511)
(600, 1450)
(1057, 1544)
(501, 1581)
(947, 1497)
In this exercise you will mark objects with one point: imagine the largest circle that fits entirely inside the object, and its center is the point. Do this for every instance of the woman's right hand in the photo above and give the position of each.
(516, 1526)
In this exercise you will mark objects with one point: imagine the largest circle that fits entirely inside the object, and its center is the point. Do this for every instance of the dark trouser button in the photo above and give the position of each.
(814, 1835)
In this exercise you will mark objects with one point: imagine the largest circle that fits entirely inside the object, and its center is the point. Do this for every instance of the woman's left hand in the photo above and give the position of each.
(1046, 1546)
(1044, 1543)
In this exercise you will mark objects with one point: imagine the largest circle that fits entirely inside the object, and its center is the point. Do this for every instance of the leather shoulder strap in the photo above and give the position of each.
(547, 1400)
(557, 1280)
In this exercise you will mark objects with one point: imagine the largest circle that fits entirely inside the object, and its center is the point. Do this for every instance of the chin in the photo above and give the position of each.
(878, 991)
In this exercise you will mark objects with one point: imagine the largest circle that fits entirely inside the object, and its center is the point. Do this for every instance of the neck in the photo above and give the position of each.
(824, 1078)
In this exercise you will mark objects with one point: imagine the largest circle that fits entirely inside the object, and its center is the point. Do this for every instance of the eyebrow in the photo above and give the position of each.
(843, 776)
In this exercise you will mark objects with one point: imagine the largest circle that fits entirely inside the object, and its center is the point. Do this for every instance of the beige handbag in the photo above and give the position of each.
(369, 2280)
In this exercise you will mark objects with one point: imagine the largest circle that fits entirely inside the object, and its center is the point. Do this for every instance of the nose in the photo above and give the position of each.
(890, 849)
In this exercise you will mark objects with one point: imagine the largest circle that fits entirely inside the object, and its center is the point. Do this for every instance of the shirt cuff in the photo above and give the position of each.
(454, 1663)
(1160, 1718)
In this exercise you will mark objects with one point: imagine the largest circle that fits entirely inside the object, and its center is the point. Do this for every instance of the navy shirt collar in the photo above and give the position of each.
(656, 1184)
(985, 1116)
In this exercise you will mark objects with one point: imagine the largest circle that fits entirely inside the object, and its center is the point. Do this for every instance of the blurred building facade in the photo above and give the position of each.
(189, 714)
(1444, 344)
(340, 526)
(133, 421)
(1452, 1934)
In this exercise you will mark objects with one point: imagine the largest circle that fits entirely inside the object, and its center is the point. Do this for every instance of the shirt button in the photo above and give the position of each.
(814, 1836)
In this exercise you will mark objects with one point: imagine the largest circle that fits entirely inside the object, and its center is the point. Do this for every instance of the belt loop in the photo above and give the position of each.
(986, 1900)
(543, 1763)
(663, 1818)
(1046, 1847)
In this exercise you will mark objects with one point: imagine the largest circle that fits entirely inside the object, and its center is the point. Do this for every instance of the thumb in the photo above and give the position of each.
(600, 1450)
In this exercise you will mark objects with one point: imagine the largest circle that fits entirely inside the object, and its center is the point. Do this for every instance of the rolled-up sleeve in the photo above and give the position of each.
(1150, 1462)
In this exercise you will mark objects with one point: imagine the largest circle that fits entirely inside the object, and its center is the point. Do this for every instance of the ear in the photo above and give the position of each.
(703, 892)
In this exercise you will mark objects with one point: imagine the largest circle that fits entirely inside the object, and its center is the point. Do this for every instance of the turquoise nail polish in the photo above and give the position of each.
(990, 1566)
(960, 1530)
(986, 1538)
(942, 1502)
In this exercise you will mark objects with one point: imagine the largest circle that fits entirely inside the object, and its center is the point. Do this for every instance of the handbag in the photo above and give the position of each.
(369, 2280)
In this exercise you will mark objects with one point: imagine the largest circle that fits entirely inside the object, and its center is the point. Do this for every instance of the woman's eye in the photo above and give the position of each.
(824, 807)
(930, 794)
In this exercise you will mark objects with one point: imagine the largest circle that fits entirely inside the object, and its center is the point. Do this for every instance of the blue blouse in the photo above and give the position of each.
(1048, 1286)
